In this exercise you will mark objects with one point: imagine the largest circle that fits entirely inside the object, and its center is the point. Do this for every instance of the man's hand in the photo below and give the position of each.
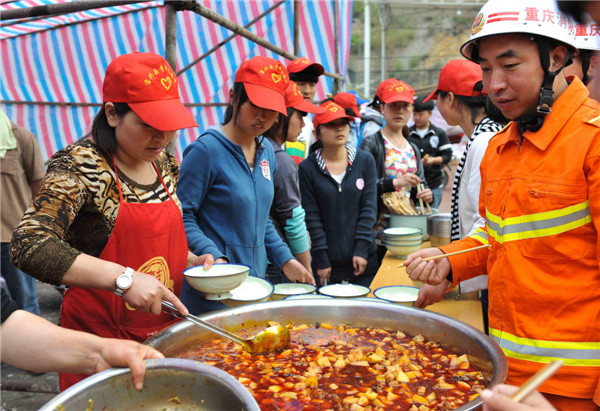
(431, 294)
(430, 272)
(498, 399)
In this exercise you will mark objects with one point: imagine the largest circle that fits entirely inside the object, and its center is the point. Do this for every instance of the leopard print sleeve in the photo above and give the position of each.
(40, 244)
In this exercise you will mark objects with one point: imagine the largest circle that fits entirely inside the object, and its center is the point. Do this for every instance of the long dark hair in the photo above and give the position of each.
(475, 104)
(282, 124)
(103, 133)
(239, 97)
(231, 112)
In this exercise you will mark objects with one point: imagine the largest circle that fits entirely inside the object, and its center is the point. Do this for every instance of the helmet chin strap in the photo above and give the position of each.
(533, 122)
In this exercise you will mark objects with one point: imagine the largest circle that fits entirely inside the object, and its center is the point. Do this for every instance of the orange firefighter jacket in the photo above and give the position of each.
(541, 200)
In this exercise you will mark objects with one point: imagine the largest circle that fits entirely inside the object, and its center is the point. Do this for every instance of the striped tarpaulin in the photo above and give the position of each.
(61, 61)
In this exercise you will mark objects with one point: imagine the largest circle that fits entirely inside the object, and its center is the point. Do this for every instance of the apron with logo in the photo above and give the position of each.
(148, 237)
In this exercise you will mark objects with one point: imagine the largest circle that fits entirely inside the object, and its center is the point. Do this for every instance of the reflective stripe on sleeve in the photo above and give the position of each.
(538, 225)
(480, 235)
(582, 354)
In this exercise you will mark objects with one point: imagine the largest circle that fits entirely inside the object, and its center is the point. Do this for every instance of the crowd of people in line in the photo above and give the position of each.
(293, 189)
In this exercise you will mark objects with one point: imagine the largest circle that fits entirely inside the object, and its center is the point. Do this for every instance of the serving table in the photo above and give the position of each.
(464, 307)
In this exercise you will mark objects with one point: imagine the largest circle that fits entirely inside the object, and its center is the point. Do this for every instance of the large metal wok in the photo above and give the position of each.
(452, 334)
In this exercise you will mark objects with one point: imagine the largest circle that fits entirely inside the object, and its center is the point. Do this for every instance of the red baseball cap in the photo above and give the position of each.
(347, 100)
(458, 76)
(147, 83)
(265, 81)
(302, 63)
(383, 85)
(331, 112)
(294, 99)
(397, 91)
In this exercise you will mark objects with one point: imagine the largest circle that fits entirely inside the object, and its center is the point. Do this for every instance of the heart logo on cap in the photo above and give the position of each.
(276, 77)
(166, 82)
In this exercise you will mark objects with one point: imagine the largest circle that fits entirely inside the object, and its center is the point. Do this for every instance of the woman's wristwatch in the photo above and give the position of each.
(124, 282)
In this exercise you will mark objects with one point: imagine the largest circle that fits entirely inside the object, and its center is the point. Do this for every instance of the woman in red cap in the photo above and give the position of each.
(226, 182)
(287, 213)
(106, 221)
(338, 187)
(398, 161)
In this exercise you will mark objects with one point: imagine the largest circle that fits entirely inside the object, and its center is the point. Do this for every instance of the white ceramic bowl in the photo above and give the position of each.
(308, 297)
(399, 294)
(217, 282)
(252, 290)
(403, 233)
(402, 251)
(344, 290)
(288, 289)
(403, 242)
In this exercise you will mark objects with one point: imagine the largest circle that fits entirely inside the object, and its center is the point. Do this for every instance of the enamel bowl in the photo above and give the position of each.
(284, 290)
(403, 250)
(344, 290)
(399, 294)
(217, 282)
(252, 290)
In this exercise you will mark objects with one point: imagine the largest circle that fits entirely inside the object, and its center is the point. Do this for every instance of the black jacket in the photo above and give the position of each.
(340, 217)
(435, 143)
(375, 145)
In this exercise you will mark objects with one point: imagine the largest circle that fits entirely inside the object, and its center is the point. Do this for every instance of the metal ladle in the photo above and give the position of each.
(274, 338)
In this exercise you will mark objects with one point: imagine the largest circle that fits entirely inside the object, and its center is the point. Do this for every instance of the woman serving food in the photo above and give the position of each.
(106, 220)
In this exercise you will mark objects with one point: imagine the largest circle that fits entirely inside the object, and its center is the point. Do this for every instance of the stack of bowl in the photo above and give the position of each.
(401, 241)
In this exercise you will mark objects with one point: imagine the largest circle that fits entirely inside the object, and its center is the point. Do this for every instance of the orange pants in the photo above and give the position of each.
(571, 404)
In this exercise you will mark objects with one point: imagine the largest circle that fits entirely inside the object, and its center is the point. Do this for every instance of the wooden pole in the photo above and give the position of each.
(336, 48)
(171, 49)
(297, 27)
(63, 8)
(228, 39)
(242, 31)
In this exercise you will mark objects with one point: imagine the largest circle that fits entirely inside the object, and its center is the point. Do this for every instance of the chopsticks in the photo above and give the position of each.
(534, 381)
(421, 187)
(466, 250)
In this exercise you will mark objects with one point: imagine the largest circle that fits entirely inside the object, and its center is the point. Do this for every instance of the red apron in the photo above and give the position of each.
(148, 237)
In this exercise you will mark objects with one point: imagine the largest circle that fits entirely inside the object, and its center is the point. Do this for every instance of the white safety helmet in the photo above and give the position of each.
(545, 23)
(536, 17)
(587, 36)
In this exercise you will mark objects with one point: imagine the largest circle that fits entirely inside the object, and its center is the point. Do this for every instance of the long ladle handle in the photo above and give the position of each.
(170, 309)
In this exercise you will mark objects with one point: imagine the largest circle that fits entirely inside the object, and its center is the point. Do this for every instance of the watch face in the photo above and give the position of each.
(124, 281)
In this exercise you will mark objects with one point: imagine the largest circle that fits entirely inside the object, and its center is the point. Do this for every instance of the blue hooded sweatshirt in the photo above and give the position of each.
(226, 206)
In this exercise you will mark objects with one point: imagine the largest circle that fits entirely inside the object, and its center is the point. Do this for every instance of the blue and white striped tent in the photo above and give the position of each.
(52, 68)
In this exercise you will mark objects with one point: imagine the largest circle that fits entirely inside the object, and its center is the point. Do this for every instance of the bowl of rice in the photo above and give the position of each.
(398, 294)
(252, 290)
(344, 290)
(284, 290)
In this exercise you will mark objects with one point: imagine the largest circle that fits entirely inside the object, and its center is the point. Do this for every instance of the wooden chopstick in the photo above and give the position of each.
(422, 207)
(534, 381)
(466, 250)
(426, 203)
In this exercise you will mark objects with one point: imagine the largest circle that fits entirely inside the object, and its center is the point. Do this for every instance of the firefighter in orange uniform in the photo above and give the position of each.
(540, 196)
